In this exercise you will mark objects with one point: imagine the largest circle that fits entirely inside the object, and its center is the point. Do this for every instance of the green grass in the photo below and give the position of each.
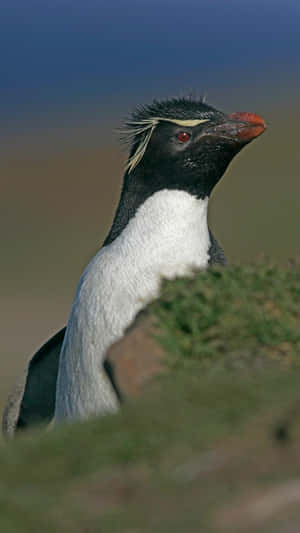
(242, 317)
(201, 445)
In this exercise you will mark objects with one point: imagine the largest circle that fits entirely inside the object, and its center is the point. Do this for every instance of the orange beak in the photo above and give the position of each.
(246, 126)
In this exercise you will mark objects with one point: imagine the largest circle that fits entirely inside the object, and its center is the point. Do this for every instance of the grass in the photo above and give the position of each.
(240, 317)
(206, 442)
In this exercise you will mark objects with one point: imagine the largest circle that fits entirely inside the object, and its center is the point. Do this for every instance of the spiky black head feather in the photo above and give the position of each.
(181, 108)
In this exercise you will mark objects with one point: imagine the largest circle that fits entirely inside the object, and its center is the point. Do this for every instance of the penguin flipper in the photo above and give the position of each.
(216, 253)
(33, 399)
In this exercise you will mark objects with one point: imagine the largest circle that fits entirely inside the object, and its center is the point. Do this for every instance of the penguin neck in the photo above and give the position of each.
(136, 190)
(167, 235)
(133, 195)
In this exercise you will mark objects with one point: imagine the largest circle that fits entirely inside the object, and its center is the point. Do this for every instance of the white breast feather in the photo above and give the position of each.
(167, 237)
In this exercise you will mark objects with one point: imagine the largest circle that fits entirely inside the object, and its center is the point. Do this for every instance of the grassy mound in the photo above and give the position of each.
(212, 446)
(242, 317)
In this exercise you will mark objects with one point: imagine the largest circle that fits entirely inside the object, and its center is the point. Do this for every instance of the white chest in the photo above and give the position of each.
(168, 237)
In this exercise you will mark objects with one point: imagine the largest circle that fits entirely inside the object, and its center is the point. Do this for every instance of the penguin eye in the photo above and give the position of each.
(183, 136)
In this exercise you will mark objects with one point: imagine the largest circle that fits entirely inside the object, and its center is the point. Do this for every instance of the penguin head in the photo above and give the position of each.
(185, 144)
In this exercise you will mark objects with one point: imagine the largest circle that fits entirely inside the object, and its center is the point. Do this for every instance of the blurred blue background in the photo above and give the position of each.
(70, 56)
(70, 71)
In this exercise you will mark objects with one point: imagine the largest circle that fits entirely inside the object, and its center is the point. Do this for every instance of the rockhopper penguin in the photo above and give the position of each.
(180, 149)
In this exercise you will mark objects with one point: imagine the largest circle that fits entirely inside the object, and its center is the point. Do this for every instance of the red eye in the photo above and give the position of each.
(183, 136)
